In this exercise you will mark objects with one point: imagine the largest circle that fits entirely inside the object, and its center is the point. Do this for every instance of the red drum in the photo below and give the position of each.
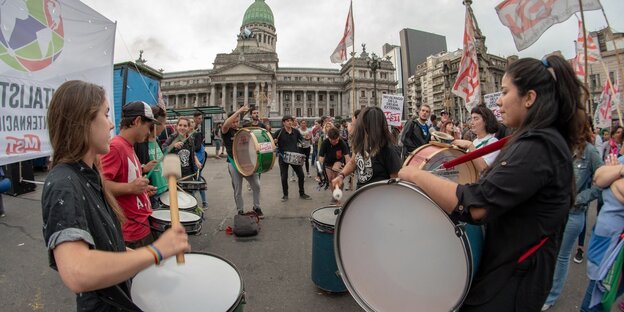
(430, 157)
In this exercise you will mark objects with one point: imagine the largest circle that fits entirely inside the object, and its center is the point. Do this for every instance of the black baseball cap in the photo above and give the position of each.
(286, 117)
(138, 109)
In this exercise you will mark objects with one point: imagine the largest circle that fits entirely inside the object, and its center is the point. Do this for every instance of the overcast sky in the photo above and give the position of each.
(188, 34)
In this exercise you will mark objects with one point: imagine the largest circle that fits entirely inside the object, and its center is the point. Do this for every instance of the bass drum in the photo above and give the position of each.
(254, 151)
(395, 248)
(430, 157)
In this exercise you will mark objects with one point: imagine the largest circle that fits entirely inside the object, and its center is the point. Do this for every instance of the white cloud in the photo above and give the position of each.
(188, 34)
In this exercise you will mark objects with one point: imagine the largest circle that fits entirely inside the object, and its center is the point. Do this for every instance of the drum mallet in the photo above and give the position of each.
(337, 193)
(172, 170)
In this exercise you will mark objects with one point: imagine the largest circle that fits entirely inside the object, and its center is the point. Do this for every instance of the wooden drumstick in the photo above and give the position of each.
(172, 170)
(337, 193)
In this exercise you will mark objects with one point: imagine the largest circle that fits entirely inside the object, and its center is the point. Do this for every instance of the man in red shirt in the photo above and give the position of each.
(123, 174)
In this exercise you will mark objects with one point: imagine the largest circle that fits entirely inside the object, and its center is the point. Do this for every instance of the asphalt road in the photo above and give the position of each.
(275, 265)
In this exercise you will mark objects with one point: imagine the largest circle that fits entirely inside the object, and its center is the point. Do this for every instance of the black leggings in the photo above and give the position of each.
(306, 152)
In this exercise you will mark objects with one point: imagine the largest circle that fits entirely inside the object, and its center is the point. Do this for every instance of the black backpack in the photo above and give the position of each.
(247, 224)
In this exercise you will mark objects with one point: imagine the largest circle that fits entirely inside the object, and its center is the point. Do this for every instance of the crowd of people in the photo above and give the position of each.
(532, 196)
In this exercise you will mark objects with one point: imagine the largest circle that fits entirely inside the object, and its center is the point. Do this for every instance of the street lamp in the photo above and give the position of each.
(374, 63)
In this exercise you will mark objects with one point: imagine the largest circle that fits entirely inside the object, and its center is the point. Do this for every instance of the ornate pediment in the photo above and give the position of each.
(242, 68)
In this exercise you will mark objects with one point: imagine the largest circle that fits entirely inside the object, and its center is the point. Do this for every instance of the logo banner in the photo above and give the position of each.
(529, 19)
(392, 106)
(44, 43)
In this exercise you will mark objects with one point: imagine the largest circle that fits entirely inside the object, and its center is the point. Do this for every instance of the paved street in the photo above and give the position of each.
(275, 265)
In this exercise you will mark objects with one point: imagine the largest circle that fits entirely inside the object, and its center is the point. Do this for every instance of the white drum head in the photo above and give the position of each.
(395, 249)
(185, 201)
(165, 215)
(203, 283)
(246, 153)
(325, 216)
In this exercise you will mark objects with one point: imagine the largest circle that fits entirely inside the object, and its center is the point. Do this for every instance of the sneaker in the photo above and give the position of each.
(305, 196)
(284, 198)
(546, 306)
(258, 211)
(309, 175)
(240, 212)
(2, 215)
(578, 258)
(204, 205)
(293, 179)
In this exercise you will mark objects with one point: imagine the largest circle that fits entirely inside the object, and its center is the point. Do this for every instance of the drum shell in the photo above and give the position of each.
(324, 268)
(254, 151)
(431, 156)
(192, 185)
(400, 273)
(159, 225)
(148, 290)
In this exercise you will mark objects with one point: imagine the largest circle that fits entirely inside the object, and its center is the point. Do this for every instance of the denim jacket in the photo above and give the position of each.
(584, 169)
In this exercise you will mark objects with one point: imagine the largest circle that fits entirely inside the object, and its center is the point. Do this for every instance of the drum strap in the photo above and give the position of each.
(532, 250)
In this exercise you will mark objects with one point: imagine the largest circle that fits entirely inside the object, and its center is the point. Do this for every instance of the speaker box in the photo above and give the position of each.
(12, 171)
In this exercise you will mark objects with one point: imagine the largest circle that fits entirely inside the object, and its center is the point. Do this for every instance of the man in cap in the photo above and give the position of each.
(123, 174)
(288, 140)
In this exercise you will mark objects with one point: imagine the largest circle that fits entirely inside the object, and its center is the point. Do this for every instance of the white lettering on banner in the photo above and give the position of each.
(490, 101)
(392, 106)
(266, 147)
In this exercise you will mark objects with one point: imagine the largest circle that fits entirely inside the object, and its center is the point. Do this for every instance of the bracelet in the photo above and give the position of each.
(157, 255)
(342, 175)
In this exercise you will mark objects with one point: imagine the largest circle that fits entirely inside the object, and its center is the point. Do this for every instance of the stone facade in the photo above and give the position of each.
(250, 75)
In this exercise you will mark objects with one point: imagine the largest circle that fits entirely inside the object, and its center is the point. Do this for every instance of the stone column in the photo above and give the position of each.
(196, 99)
(281, 103)
(273, 97)
(234, 101)
(305, 104)
(213, 92)
(327, 101)
(246, 97)
(316, 107)
(223, 96)
(293, 109)
(339, 95)
(186, 100)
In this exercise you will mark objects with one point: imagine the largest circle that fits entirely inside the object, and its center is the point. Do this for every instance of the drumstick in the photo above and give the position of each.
(476, 153)
(337, 193)
(172, 170)
(165, 153)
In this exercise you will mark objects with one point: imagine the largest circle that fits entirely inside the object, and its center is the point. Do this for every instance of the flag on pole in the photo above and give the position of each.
(593, 53)
(340, 54)
(468, 84)
(602, 117)
(579, 68)
(616, 100)
(529, 19)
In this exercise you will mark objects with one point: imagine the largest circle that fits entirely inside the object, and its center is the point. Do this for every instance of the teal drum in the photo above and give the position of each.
(254, 151)
(325, 273)
(205, 282)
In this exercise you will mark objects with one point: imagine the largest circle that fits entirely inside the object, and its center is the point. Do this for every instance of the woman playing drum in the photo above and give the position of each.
(81, 219)
(524, 198)
(482, 123)
(180, 143)
(376, 158)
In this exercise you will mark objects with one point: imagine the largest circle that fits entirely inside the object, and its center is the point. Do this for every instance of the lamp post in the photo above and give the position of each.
(374, 63)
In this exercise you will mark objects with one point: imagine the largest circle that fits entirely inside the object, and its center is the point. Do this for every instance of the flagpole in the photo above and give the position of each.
(586, 62)
(617, 53)
(353, 63)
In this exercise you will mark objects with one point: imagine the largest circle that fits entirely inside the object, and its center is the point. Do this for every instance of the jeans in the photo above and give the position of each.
(237, 186)
(588, 295)
(306, 152)
(284, 175)
(576, 222)
(313, 157)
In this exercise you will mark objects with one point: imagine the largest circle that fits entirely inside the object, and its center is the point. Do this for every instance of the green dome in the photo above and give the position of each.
(258, 12)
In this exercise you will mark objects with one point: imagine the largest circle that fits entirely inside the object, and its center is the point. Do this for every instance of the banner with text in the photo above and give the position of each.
(44, 43)
(490, 101)
(392, 106)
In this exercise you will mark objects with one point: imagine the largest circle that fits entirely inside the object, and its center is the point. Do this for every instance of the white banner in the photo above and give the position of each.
(490, 101)
(42, 44)
(392, 106)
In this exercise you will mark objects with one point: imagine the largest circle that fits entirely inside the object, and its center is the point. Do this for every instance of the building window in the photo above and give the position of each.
(320, 112)
(331, 98)
(594, 81)
(287, 111)
(287, 97)
(320, 97)
(298, 97)
(363, 94)
(309, 111)
(298, 112)
(331, 112)
(309, 97)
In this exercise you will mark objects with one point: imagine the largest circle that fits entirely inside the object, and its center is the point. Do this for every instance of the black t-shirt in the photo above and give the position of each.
(74, 209)
(228, 141)
(333, 153)
(186, 154)
(527, 194)
(379, 167)
(288, 142)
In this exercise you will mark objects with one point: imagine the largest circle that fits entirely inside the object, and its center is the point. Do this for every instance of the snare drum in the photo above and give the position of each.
(407, 253)
(294, 158)
(186, 202)
(160, 220)
(205, 282)
(430, 157)
(254, 151)
(324, 269)
(191, 185)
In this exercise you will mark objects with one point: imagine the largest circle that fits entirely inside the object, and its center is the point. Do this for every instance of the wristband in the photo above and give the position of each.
(157, 254)
(342, 175)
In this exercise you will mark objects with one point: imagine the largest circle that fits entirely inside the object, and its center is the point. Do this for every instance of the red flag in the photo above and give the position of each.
(579, 68)
(340, 54)
(593, 53)
(529, 19)
(468, 84)
(602, 117)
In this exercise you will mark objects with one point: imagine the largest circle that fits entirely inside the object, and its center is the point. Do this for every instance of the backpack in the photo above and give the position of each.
(247, 224)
